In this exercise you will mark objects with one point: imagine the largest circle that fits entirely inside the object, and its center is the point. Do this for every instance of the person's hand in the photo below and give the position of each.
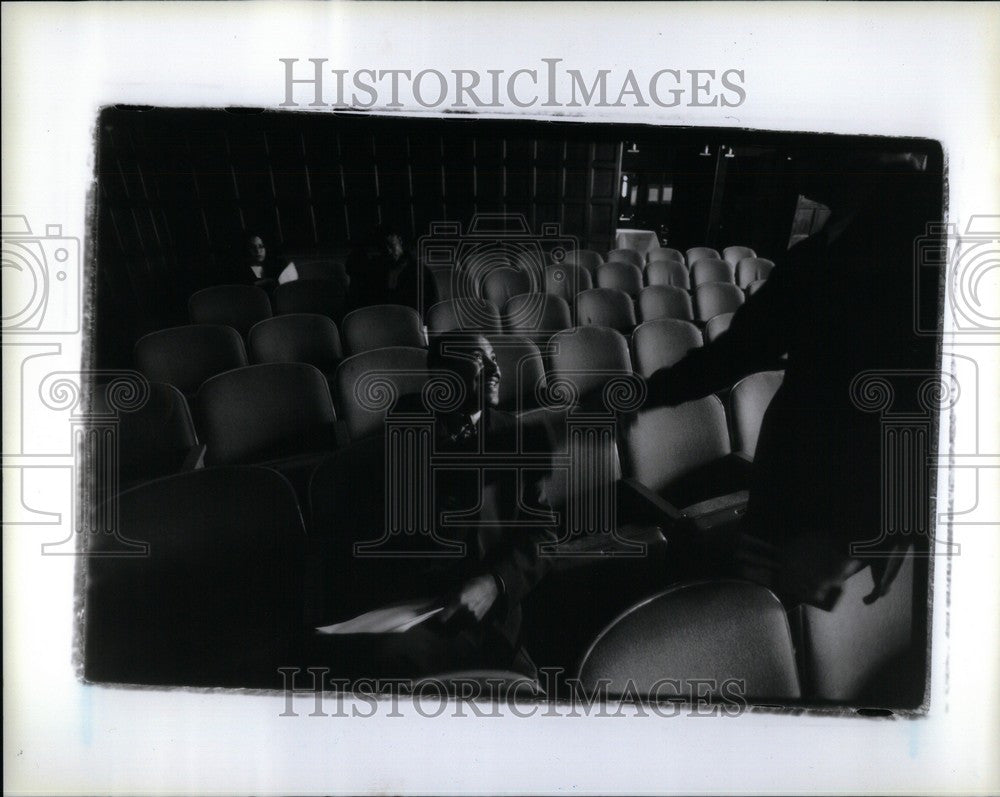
(473, 600)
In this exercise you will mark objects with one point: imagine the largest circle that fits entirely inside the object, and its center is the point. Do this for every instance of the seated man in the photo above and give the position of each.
(455, 518)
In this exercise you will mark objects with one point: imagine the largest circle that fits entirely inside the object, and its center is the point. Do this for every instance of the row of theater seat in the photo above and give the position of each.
(497, 282)
(590, 259)
(220, 600)
(189, 356)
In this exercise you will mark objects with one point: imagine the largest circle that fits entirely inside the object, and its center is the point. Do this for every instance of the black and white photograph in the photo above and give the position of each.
(424, 408)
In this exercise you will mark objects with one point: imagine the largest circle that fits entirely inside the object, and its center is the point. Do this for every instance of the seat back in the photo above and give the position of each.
(754, 286)
(502, 283)
(186, 356)
(264, 412)
(155, 439)
(713, 298)
(719, 632)
(665, 301)
(716, 325)
(734, 254)
(587, 357)
(536, 316)
(668, 272)
(586, 258)
(367, 385)
(661, 254)
(661, 343)
(474, 315)
(710, 269)
(751, 269)
(320, 296)
(297, 338)
(666, 448)
(696, 253)
(237, 306)
(522, 372)
(605, 307)
(567, 280)
(382, 325)
(748, 401)
(625, 277)
(216, 600)
(624, 256)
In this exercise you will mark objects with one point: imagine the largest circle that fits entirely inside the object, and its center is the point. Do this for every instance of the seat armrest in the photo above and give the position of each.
(194, 459)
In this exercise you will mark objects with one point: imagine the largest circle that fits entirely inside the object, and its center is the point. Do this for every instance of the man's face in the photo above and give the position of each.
(477, 367)
(257, 250)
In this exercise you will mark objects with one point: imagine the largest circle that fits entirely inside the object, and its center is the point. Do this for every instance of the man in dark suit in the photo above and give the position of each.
(838, 304)
(473, 486)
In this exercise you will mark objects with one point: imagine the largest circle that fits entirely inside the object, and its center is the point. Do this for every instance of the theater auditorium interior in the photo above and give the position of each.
(268, 288)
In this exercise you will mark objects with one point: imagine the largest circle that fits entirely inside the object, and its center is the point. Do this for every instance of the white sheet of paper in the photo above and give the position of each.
(388, 620)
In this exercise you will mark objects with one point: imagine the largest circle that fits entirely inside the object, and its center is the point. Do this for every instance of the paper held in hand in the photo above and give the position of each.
(393, 619)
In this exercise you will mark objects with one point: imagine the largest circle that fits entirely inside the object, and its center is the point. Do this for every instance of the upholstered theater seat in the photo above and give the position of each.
(186, 356)
(237, 306)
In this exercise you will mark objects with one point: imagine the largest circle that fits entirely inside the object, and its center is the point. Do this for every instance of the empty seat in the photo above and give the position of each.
(186, 356)
(748, 401)
(682, 454)
(752, 269)
(382, 325)
(476, 315)
(536, 316)
(624, 256)
(696, 253)
(734, 254)
(503, 283)
(217, 598)
(661, 343)
(668, 272)
(716, 325)
(237, 306)
(665, 301)
(605, 307)
(620, 276)
(586, 358)
(522, 372)
(157, 438)
(754, 286)
(321, 296)
(587, 258)
(265, 413)
(697, 638)
(710, 269)
(367, 385)
(567, 280)
(297, 338)
(661, 254)
(713, 298)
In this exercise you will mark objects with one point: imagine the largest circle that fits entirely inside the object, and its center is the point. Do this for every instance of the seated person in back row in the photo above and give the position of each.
(257, 265)
(480, 554)
(393, 276)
